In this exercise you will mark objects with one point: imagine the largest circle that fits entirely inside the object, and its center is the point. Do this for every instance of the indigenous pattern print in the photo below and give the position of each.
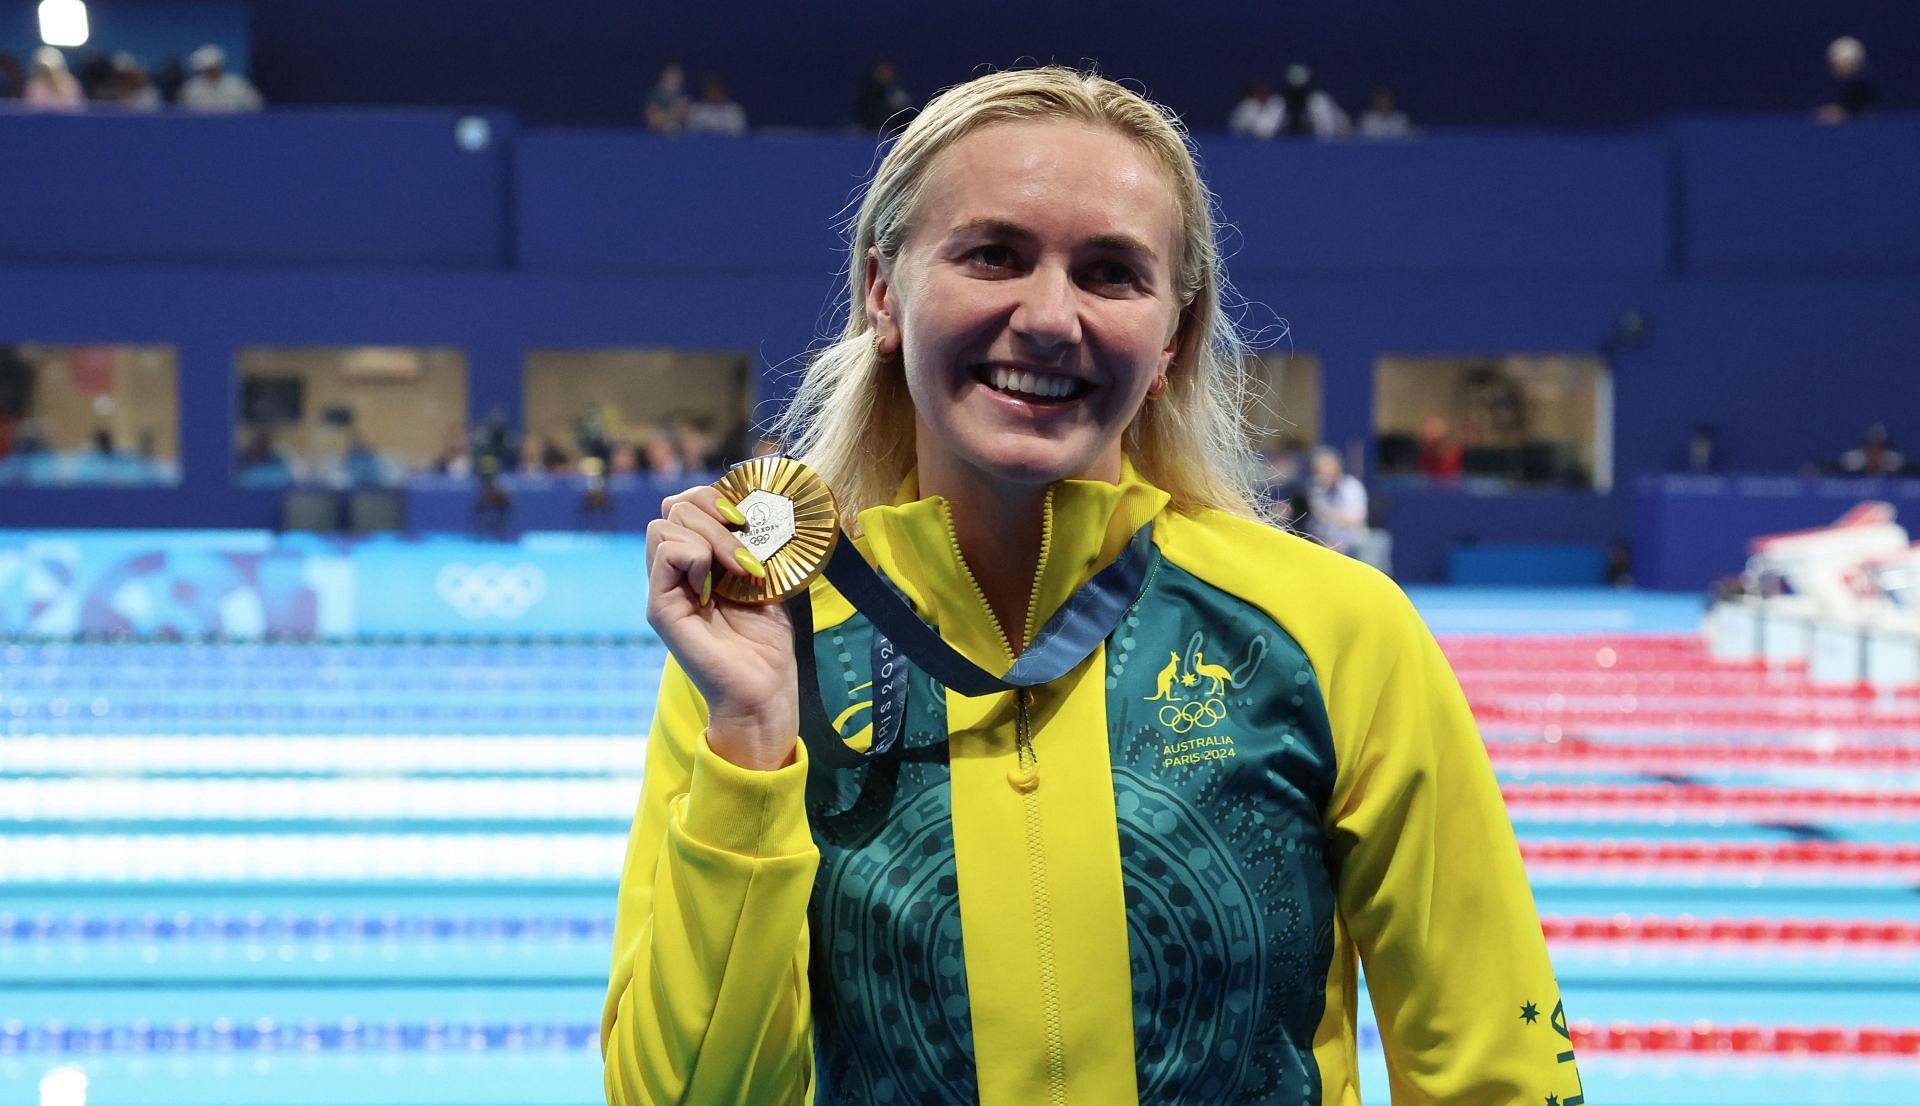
(889, 974)
(1222, 763)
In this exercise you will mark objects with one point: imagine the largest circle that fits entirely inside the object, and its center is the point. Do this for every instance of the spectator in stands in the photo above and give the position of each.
(715, 112)
(212, 88)
(1875, 457)
(1440, 455)
(697, 449)
(1285, 483)
(456, 453)
(1307, 110)
(1383, 118)
(13, 81)
(131, 88)
(52, 85)
(883, 106)
(1702, 447)
(543, 455)
(360, 466)
(1857, 94)
(168, 77)
(625, 460)
(95, 71)
(662, 458)
(259, 464)
(667, 104)
(1258, 113)
(1336, 503)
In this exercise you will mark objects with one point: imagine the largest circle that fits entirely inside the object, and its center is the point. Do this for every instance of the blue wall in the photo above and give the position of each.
(319, 189)
(329, 228)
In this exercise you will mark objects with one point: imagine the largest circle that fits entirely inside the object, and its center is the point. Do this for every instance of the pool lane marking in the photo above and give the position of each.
(1745, 803)
(1890, 934)
(1553, 748)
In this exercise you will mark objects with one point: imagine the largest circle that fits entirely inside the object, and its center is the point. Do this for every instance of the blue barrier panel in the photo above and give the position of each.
(1528, 566)
(1447, 204)
(1788, 197)
(246, 585)
(1429, 523)
(1691, 530)
(626, 200)
(281, 188)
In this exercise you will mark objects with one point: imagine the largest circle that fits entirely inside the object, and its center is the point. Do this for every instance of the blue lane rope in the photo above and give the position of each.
(302, 927)
(305, 1036)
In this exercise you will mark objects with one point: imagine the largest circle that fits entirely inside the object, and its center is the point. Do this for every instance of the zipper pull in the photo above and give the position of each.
(1024, 777)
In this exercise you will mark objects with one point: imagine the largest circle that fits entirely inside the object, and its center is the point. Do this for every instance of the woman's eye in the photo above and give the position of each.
(1114, 273)
(993, 257)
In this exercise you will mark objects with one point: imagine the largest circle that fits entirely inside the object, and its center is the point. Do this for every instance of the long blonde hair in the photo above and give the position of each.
(852, 419)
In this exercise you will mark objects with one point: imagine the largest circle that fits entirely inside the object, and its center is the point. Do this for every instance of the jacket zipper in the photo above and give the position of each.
(1026, 780)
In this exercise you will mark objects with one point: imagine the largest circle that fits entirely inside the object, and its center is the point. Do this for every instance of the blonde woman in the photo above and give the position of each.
(1127, 884)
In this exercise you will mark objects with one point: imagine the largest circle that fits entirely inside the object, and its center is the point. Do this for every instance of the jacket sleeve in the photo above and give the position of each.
(1431, 885)
(708, 1001)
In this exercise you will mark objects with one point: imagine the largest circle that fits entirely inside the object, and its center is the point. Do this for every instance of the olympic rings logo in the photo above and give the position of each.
(491, 590)
(1181, 717)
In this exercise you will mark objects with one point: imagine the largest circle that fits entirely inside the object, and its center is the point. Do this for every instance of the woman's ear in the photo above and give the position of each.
(1181, 323)
(878, 301)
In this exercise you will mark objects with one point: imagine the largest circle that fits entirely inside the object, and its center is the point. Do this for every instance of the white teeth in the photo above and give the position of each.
(1044, 385)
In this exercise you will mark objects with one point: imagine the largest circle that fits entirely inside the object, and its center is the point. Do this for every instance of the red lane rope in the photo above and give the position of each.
(1635, 642)
(1863, 933)
(1747, 1039)
(1668, 796)
(1796, 854)
(1496, 682)
(1635, 755)
(1904, 721)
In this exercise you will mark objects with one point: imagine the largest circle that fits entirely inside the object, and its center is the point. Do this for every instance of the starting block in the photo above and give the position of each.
(1843, 601)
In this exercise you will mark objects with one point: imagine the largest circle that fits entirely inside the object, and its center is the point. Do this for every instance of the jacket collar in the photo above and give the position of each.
(1088, 524)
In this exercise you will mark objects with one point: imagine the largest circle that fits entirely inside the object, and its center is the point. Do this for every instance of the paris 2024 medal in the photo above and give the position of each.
(792, 526)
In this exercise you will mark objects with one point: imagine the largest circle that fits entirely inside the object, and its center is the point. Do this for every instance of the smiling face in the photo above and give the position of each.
(1032, 302)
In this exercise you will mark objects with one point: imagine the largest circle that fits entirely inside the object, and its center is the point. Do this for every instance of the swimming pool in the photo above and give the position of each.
(382, 871)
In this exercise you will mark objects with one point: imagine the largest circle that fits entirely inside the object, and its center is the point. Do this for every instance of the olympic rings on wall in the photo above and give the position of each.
(491, 590)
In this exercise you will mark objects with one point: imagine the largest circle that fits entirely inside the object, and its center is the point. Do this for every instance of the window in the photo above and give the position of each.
(656, 411)
(349, 417)
(1285, 401)
(89, 414)
(1494, 423)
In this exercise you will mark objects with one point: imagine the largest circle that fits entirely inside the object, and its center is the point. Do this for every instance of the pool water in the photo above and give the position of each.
(383, 871)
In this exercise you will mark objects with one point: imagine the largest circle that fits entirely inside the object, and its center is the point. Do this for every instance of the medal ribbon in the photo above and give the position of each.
(902, 642)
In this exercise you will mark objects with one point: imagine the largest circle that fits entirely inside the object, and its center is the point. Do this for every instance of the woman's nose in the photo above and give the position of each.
(1047, 315)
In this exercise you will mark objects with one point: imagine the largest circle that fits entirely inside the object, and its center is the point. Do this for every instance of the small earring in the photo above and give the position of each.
(879, 345)
(1158, 388)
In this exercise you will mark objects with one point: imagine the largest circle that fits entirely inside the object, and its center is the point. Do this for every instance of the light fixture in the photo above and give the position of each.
(63, 22)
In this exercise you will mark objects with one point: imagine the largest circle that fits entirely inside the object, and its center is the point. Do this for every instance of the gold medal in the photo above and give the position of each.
(792, 526)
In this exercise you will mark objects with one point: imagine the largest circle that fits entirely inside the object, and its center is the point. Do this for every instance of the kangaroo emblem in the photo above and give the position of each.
(1165, 679)
(1220, 676)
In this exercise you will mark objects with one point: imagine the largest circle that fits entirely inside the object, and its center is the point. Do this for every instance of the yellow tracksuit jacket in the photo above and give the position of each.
(1265, 771)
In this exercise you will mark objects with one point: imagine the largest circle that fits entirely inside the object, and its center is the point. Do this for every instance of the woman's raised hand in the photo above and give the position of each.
(740, 657)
